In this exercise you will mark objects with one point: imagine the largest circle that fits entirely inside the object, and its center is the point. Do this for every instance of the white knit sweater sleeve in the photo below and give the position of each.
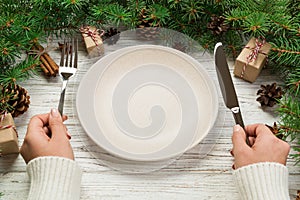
(262, 181)
(54, 178)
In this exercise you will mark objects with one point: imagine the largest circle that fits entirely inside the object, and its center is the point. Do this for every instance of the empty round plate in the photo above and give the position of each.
(147, 103)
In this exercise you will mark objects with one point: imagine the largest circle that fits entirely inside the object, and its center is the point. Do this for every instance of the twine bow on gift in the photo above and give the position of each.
(92, 33)
(254, 53)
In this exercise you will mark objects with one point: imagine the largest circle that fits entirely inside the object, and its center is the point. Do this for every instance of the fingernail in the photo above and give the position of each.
(54, 112)
(236, 128)
(68, 135)
(231, 152)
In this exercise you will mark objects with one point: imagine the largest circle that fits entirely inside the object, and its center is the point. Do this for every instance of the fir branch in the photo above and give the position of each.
(236, 16)
(158, 14)
(287, 129)
(292, 80)
(75, 5)
(176, 4)
(284, 23)
(8, 51)
(285, 51)
(112, 13)
(192, 10)
(18, 72)
(258, 21)
(289, 111)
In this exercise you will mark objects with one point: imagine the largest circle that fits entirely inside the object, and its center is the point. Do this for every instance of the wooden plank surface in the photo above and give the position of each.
(191, 176)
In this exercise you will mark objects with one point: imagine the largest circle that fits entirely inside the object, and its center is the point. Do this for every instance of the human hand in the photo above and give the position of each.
(264, 146)
(46, 136)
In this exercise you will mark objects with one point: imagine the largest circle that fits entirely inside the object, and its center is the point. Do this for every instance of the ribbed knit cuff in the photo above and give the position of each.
(54, 178)
(266, 180)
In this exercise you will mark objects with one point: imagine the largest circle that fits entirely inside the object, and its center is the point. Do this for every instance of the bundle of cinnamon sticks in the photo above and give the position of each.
(48, 65)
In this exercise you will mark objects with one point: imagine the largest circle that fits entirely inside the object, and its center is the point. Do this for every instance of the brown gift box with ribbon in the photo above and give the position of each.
(8, 135)
(251, 60)
(93, 41)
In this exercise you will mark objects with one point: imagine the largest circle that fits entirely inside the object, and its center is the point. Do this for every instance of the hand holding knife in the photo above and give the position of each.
(226, 85)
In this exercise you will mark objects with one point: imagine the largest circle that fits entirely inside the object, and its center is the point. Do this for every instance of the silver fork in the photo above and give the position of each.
(67, 68)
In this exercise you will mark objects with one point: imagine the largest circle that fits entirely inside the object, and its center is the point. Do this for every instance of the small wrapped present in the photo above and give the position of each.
(8, 135)
(93, 41)
(251, 60)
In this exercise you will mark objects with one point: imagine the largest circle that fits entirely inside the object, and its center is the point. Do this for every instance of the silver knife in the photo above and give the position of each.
(226, 85)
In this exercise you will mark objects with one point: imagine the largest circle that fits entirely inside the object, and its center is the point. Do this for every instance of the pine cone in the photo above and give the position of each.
(143, 21)
(275, 130)
(111, 36)
(15, 98)
(146, 30)
(217, 25)
(269, 95)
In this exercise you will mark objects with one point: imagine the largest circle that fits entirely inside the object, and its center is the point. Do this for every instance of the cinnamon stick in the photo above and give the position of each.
(45, 70)
(46, 64)
(51, 62)
(49, 65)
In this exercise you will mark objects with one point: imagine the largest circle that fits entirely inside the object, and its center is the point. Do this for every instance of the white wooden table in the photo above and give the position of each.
(191, 176)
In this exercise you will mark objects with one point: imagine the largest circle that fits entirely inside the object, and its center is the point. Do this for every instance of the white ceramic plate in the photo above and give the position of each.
(147, 103)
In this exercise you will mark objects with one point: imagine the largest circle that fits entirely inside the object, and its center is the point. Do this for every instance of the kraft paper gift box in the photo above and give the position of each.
(8, 135)
(250, 71)
(93, 41)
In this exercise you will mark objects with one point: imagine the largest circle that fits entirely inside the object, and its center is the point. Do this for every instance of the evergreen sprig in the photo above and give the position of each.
(19, 72)
(277, 25)
(286, 52)
(292, 80)
(289, 120)
(113, 13)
